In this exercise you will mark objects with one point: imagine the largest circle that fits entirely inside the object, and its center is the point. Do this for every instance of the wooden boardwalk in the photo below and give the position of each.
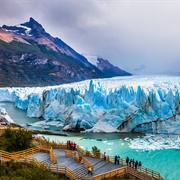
(60, 160)
(99, 166)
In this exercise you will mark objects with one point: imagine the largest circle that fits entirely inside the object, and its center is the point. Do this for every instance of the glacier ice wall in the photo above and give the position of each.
(139, 104)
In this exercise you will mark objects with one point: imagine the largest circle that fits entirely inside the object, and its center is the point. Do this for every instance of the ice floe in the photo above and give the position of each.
(155, 142)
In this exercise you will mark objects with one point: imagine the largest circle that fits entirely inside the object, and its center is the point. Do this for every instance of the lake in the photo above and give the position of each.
(165, 161)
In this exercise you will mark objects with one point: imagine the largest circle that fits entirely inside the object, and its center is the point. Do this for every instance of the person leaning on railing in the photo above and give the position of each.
(104, 156)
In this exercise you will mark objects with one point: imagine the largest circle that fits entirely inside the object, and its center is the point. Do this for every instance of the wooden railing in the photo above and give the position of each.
(53, 167)
(20, 154)
(62, 170)
(140, 175)
(29, 160)
(89, 153)
(49, 144)
(80, 150)
(87, 163)
(5, 156)
(122, 171)
(145, 170)
(73, 154)
(52, 155)
(110, 174)
(24, 153)
(71, 173)
(3, 128)
(152, 173)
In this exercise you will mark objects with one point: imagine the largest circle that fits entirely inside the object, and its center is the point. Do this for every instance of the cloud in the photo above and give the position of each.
(127, 33)
(140, 68)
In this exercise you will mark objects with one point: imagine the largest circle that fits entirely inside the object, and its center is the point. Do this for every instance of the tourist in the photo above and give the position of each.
(133, 163)
(69, 144)
(140, 164)
(90, 170)
(80, 161)
(115, 159)
(127, 161)
(136, 165)
(74, 146)
(138, 168)
(104, 156)
(118, 159)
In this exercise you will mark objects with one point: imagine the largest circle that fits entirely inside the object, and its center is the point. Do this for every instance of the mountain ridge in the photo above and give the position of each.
(34, 58)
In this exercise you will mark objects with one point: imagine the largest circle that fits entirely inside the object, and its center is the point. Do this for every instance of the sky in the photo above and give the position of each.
(139, 36)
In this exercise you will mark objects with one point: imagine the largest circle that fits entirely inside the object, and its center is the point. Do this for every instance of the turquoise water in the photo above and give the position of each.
(166, 161)
(18, 115)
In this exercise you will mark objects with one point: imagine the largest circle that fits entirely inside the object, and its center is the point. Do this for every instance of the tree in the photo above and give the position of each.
(95, 149)
(17, 140)
(96, 152)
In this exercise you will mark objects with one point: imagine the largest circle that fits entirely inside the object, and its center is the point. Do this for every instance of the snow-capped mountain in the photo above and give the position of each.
(34, 58)
(105, 66)
(122, 104)
(34, 30)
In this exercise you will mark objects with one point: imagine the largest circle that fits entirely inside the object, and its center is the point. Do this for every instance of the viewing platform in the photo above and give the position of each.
(74, 163)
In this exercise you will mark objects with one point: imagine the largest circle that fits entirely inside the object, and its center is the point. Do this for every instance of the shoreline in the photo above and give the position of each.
(4, 123)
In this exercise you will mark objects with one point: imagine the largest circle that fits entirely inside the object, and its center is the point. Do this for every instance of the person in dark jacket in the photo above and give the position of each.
(136, 165)
(115, 159)
(130, 162)
(118, 159)
(127, 161)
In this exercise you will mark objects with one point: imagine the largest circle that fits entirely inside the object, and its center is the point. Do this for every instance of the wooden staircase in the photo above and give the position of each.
(81, 171)
(48, 161)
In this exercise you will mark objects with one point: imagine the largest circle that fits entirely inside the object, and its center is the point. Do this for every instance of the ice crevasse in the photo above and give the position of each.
(138, 103)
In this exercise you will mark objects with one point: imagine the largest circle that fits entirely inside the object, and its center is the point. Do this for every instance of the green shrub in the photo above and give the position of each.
(26, 171)
(95, 149)
(16, 140)
(96, 152)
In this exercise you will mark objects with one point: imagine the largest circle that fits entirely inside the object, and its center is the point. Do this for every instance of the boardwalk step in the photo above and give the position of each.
(48, 161)
(99, 164)
(81, 171)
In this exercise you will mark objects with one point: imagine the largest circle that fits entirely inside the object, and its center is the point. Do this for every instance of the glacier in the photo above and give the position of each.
(148, 104)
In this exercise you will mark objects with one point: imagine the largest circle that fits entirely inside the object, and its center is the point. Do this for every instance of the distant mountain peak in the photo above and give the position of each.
(32, 20)
(105, 66)
(30, 28)
(34, 25)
